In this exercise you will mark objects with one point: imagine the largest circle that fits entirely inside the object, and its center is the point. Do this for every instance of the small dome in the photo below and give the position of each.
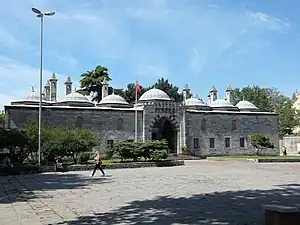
(113, 99)
(246, 105)
(221, 103)
(31, 96)
(75, 97)
(154, 94)
(194, 102)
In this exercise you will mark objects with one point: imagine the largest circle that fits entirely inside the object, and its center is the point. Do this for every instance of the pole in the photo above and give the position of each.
(41, 94)
(136, 116)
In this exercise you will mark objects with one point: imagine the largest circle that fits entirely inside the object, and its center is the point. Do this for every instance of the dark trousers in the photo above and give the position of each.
(98, 166)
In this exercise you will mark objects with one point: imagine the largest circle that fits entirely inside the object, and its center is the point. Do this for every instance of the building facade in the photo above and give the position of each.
(204, 129)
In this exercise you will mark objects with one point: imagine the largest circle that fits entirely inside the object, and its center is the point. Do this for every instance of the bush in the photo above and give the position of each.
(84, 157)
(149, 150)
(259, 141)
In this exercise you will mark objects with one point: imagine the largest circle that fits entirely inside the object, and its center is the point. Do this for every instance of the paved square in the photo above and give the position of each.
(202, 192)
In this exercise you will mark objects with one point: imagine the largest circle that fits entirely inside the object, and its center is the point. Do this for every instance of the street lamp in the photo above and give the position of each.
(41, 15)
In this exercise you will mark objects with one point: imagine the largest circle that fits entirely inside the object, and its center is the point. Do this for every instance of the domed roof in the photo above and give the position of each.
(192, 101)
(113, 99)
(31, 96)
(245, 105)
(221, 103)
(154, 94)
(75, 97)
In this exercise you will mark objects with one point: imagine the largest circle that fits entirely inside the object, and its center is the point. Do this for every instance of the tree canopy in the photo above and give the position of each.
(2, 119)
(91, 82)
(162, 84)
(271, 100)
(266, 99)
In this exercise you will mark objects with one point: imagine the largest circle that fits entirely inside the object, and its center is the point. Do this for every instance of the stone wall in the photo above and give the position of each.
(107, 124)
(231, 125)
(292, 144)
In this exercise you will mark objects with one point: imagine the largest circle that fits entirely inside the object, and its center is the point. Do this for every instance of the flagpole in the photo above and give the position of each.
(136, 116)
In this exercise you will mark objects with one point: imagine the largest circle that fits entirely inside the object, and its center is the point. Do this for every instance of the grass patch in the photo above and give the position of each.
(257, 157)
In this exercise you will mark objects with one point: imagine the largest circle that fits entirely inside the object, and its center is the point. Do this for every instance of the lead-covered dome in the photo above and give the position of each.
(194, 102)
(31, 98)
(246, 106)
(221, 103)
(75, 99)
(113, 99)
(154, 94)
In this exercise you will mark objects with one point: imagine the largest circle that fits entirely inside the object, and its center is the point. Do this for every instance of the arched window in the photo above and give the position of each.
(120, 124)
(203, 124)
(233, 124)
(79, 122)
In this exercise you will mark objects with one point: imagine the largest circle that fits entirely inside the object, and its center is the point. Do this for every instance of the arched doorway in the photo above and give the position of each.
(164, 129)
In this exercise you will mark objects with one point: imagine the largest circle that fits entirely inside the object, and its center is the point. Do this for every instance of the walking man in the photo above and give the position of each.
(98, 164)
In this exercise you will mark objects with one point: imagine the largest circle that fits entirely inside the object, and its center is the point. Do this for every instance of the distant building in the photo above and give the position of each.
(213, 128)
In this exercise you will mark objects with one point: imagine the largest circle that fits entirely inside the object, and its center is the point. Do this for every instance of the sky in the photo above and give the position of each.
(196, 42)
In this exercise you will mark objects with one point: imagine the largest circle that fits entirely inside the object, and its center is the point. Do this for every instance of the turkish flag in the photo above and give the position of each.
(138, 88)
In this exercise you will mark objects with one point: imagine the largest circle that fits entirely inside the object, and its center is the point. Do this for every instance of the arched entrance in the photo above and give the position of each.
(164, 128)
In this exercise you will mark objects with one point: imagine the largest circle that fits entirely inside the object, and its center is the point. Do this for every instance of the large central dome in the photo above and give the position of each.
(154, 94)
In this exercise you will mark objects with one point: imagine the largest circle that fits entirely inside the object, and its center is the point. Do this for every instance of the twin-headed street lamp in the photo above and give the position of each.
(41, 15)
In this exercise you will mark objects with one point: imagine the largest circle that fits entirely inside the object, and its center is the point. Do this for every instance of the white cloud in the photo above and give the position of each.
(269, 22)
(17, 78)
(81, 30)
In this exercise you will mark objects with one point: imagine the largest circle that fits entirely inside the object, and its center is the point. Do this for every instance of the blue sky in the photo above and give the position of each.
(198, 42)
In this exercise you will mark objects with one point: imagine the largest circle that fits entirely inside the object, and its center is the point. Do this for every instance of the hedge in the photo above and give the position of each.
(148, 150)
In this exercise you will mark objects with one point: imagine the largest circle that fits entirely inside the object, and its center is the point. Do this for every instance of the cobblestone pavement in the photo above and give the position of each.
(202, 192)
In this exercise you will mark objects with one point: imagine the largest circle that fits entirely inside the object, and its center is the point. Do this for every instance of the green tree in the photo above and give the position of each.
(271, 100)
(67, 141)
(162, 84)
(289, 118)
(2, 119)
(91, 82)
(258, 96)
(129, 93)
(260, 142)
(170, 89)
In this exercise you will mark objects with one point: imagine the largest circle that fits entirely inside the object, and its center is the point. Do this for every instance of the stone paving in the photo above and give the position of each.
(202, 192)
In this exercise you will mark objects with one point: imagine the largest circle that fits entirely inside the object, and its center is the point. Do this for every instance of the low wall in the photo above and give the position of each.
(291, 143)
(35, 169)
(277, 160)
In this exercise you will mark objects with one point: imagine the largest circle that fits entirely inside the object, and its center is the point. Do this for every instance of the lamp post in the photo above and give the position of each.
(41, 15)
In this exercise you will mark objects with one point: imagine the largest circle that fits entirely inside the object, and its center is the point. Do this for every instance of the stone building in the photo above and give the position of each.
(213, 128)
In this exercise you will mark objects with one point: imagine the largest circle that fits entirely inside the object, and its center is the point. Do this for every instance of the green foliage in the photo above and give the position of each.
(271, 100)
(162, 84)
(259, 141)
(170, 89)
(129, 93)
(57, 141)
(289, 118)
(16, 143)
(67, 141)
(149, 150)
(2, 119)
(83, 157)
(91, 82)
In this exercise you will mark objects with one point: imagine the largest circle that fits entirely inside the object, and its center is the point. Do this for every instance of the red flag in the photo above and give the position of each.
(138, 88)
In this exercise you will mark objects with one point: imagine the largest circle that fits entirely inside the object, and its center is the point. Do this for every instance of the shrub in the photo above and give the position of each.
(149, 150)
(259, 141)
(84, 157)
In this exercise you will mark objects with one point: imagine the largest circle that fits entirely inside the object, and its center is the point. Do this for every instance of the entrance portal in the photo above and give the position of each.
(164, 129)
